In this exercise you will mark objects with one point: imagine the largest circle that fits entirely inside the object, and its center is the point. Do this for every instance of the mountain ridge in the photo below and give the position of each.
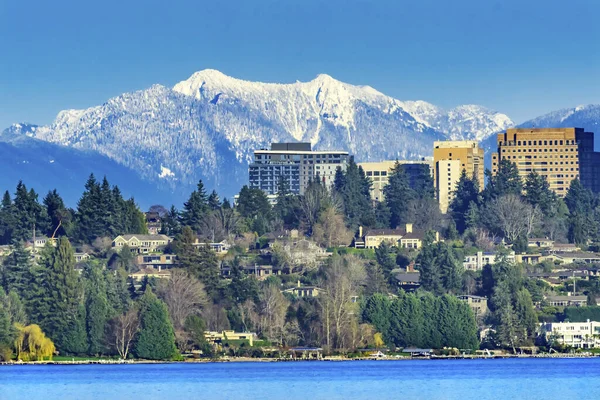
(207, 126)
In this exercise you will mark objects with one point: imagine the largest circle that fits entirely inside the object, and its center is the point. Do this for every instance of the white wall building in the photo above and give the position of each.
(582, 335)
(477, 261)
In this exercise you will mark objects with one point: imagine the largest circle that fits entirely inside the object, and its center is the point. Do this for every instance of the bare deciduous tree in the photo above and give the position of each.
(343, 279)
(184, 295)
(316, 199)
(272, 309)
(514, 217)
(331, 230)
(123, 330)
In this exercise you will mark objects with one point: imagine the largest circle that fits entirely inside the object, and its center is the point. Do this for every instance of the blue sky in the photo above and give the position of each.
(523, 58)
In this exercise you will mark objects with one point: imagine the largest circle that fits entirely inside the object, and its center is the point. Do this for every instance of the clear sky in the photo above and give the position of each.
(523, 58)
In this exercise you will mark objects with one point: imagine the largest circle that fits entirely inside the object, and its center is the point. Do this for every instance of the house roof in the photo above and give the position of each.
(566, 298)
(577, 255)
(128, 237)
(470, 296)
(566, 245)
(386, 232)
(415, 234)
(408, 277)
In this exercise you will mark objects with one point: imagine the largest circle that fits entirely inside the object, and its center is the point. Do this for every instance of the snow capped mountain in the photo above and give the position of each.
(587, 117)
(207, 126)
(470, 122)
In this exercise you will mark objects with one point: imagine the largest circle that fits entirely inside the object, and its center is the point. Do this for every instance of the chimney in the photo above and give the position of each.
(410, 267)
(298, 282)
(360, 231)
(409, 228)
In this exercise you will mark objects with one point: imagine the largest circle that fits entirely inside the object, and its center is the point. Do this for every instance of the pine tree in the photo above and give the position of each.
(354, 189)
(28, 214)
(538, 193)
(170, 223)
(398, 194)
(195, 208)
(62, 293)
(156, 340)
(90, 221)
(18, 270)
(581, 204)
(506, 181)
(7, 219)
(60, 216)
(97, 308)
(466, 193)
(214, 203)
(288, 205)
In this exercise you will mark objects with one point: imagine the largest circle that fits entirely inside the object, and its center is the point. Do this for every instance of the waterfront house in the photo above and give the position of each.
(219, 337)
(582, 335)
(477, 303)
(567, 301)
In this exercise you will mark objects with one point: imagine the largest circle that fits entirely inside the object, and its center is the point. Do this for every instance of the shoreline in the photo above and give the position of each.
(325, 359)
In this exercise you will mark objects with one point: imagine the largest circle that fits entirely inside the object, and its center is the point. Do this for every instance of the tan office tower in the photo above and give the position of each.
(450, 158)
(559, 154)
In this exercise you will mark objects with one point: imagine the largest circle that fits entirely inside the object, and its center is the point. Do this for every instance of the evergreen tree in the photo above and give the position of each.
(117, 292)
(28, 214)
(170, 223)
(386, 258)
(465, 197)
(506, 181)
(62, 293)
(214, 203)
(354, 188)
(398, 194)
(97, 308)
(17, 270)
(60, 216)
(288, 205)
(90, 221)
(581, 204)
(7, 219)
(195, 208)
(440, 268)
(382, 215)
(538, 193)
(376, 280)
(156, 339)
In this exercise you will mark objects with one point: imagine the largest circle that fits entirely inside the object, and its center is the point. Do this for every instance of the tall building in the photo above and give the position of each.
(297, 163)
(379, 172)
(559, 154)
(450, 158)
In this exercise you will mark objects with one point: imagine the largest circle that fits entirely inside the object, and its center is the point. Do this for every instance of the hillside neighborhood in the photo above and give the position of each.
(318, 256)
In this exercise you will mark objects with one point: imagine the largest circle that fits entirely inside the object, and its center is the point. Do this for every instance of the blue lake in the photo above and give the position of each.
(448, 379)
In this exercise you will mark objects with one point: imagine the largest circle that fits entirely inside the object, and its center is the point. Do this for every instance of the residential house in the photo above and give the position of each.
(530, 259)
(575, 257)
(219, 337)
(567, 301)
(477, 303)
(150, 273)
(582, 335)
(409, 281)
(153, 222)
(564, 248)
(543, 243)
(477, 261)
(156, 261)
(141, 244)
(304, 291)
(402, 237)
(81, 256)
(221, 247)
(38, 242)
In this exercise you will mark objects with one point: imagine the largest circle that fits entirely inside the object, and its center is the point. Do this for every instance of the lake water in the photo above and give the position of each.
(440, 379)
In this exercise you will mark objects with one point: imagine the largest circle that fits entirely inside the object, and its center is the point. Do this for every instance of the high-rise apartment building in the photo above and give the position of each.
(559, 154)
(450, 158)
(297, 163)
(379, 172)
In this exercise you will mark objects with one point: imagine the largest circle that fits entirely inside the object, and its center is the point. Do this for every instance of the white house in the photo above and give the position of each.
(477, 261)
(583, 335)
